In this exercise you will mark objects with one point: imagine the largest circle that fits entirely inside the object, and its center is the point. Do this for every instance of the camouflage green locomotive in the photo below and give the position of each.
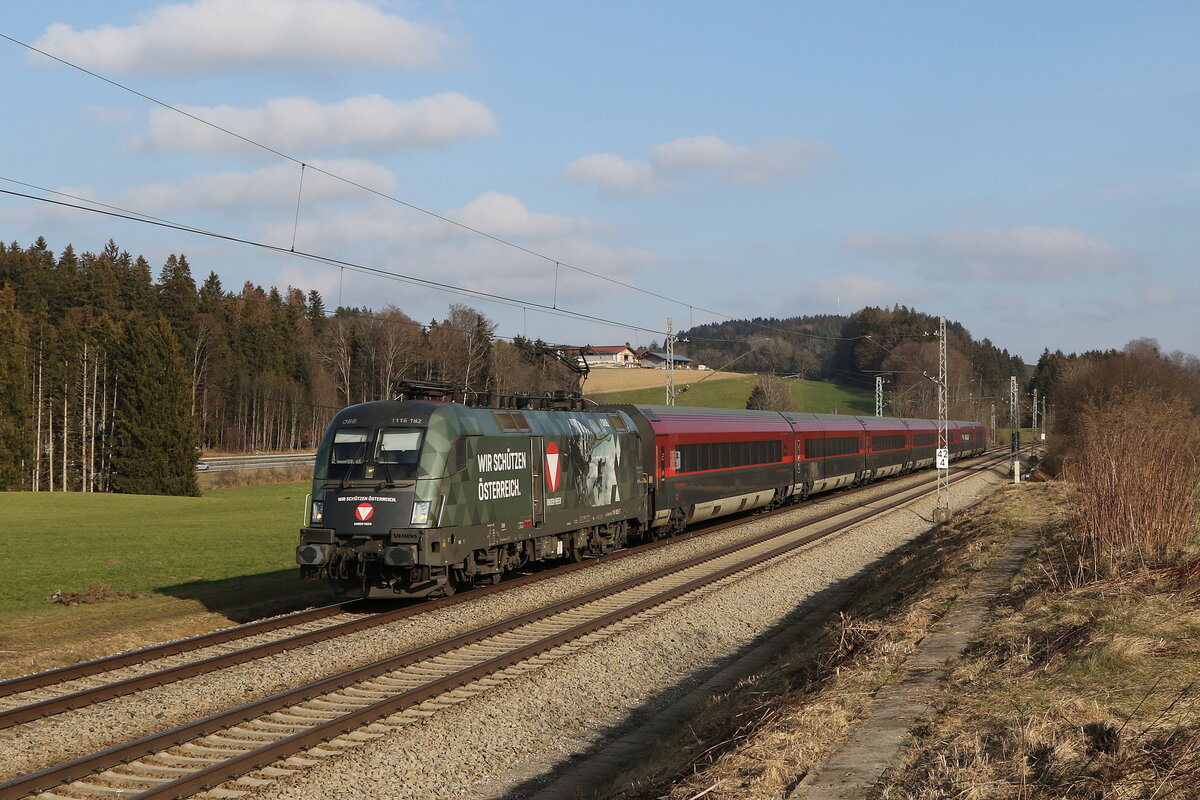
(420, 497)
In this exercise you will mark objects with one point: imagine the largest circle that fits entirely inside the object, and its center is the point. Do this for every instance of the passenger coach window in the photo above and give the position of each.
(887, 443)
(723, 455)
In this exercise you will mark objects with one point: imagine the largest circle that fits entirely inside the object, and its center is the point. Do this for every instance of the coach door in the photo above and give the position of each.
(537, 455)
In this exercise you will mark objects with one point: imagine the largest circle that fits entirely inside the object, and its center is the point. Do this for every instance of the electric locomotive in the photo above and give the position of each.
(419, 497)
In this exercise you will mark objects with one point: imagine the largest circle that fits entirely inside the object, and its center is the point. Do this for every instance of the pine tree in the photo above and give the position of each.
(15, 450)
(155, 437)
(177, 298)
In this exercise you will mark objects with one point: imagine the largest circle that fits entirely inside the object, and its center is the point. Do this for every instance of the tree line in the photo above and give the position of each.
(899, 344)
(111, 380)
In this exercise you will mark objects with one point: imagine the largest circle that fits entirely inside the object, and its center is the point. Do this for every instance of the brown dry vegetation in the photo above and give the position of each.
(604, 380)
(1136, 468)
(759, 740)
(1087, 692)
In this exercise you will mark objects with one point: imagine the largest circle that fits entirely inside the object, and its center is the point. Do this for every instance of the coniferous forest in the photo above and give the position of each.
(115, 376)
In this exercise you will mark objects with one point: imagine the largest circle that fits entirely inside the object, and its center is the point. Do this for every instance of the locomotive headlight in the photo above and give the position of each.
(420, 513)
(318, 511)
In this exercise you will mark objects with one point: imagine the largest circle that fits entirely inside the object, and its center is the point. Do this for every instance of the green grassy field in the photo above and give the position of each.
(198, 562)
(734, 392)
(199, 547)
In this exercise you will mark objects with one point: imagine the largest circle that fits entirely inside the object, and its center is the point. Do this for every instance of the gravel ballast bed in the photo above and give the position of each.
(38, 744)
(485, 746)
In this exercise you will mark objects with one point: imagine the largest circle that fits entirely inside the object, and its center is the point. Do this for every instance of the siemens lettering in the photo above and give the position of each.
(495, 490)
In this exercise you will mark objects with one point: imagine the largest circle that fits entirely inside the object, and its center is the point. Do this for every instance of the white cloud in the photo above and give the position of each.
(617, 175)
(1014, 254)
(771, 162)
(758, 167)
(294, 124)
(505, 216)
(1159, 296)
(227, 35)
(275, 187)
(396, 239)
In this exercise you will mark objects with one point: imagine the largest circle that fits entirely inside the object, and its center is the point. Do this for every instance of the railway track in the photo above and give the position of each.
(66, 688)
(346, 709)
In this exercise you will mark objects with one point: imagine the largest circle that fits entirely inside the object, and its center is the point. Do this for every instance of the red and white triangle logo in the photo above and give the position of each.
(364, 511)
(553, 466)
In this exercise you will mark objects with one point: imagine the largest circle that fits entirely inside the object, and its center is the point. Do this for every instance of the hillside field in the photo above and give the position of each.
(722, 390)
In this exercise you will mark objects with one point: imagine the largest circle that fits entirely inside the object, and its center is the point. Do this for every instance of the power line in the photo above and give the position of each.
(305, 165)
(513, 302)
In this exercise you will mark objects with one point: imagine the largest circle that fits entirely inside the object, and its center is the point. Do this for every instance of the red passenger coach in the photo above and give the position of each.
(713, 461)
(705, 462)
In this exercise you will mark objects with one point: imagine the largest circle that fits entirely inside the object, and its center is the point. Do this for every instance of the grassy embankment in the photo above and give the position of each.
(1070, 691)
(734, 392)
(173, 566)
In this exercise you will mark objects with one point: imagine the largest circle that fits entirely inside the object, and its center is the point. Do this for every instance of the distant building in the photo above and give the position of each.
(659, 360)
(614, 356)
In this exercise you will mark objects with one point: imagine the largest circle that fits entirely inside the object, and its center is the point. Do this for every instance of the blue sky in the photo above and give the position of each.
(1028, 169)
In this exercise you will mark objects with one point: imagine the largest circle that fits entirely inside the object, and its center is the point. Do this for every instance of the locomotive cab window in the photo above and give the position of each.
(399, 449)
(349, 447)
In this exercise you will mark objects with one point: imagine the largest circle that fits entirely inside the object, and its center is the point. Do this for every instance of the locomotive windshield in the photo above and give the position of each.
(387, 454)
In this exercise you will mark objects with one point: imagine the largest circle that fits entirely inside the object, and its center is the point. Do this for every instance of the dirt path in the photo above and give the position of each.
(852, 770)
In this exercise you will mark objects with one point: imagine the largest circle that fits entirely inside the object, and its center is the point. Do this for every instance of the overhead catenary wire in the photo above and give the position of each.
(336, 262)
(384, 195)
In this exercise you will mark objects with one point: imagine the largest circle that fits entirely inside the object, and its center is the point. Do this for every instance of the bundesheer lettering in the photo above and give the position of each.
(496, 490)
(502, 462)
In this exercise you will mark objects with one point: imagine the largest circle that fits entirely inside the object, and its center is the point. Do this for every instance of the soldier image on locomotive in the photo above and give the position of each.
(425, 495)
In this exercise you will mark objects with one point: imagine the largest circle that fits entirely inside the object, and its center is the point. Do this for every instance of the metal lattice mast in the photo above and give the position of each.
(670, 362)
(943, 447)
(879, 395)
(1035, 410)
(1014, 431)
(993, 439)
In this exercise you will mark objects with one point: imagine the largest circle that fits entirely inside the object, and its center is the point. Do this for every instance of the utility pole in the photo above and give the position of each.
(1043, 431)
(879, 395)
(670, 363)
(1015, 432)
(941, 513)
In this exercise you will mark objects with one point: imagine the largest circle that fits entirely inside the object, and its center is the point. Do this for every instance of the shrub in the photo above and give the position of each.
(1134, 458)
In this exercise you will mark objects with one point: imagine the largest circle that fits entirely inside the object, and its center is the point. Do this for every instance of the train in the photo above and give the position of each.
(434, 492)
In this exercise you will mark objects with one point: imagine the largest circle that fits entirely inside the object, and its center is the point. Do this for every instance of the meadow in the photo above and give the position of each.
(824, 398)
(93, 573)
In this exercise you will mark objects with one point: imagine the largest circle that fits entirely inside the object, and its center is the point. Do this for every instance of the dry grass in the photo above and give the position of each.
(1091, 691)
(759, 740)
(230, 478)
(603, 380)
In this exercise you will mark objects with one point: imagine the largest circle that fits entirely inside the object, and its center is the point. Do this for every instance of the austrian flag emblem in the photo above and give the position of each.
(364, 511)
(553, 467)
